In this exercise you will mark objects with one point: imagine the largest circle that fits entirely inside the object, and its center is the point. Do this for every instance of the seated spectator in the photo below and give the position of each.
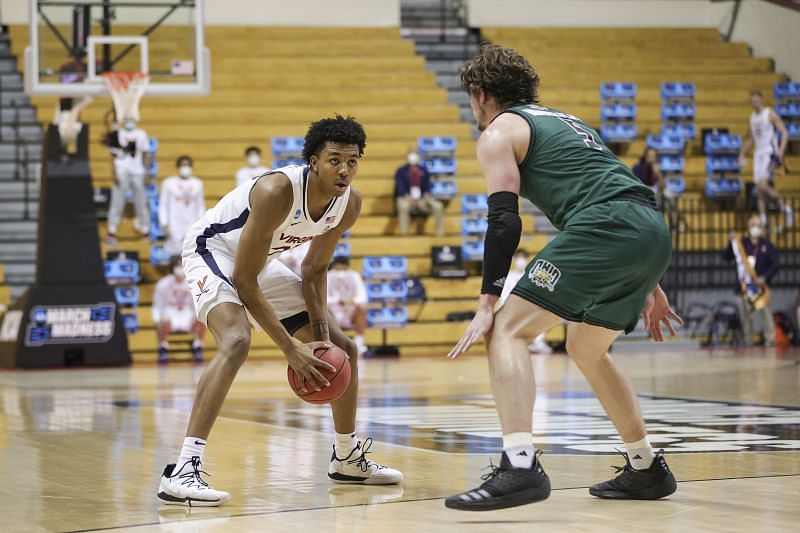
(173, 312)
(648, 171)
(181, 202)
(518, 267)
(763, 258)
(347, 299)
(412, 195)
(253, 167)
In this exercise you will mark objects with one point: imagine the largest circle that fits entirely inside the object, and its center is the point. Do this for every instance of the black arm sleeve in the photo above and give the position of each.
(502, 239)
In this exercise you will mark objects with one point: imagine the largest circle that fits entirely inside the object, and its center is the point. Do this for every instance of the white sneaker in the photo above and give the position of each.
(186, 487)
(540, 346)
(355, 468)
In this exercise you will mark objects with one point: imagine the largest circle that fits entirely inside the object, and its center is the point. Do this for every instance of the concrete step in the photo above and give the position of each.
(15, 210)
(18, 115)
(18, 252)
(18, 230)
(8, 64)
(27, 132)
(12, 81)
(16, 190)
(19, 273)
(9, 151)
(444, 66)
(14, 171)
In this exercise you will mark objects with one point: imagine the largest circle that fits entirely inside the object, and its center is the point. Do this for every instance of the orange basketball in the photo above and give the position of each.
(339, 379)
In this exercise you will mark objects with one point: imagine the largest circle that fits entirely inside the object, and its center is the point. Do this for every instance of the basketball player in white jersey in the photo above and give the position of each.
(131, 150)
(229, 258)
(173, 311)
(181, 203)
(765, 125)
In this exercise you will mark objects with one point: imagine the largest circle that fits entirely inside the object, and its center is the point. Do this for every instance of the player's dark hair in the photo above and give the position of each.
(174, 261)
(340, 260)
(255, 149)
(337, 130)
(183, 158)
(756, 93)
(502, 73)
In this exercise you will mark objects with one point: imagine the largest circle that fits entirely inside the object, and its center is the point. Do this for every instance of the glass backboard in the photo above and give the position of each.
(159, 37)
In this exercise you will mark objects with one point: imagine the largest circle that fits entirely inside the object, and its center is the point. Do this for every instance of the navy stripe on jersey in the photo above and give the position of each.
(216, 229)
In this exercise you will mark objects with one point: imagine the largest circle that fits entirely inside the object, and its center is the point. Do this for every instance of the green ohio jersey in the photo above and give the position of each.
(568, 168)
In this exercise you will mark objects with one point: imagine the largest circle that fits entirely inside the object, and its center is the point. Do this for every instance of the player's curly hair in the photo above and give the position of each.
(338, 130)
(502, 73)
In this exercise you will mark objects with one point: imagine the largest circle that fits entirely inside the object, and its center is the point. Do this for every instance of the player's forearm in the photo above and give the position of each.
(315, 294)
(263, 313)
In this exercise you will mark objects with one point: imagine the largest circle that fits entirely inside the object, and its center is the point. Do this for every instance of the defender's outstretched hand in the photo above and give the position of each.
(480, 326)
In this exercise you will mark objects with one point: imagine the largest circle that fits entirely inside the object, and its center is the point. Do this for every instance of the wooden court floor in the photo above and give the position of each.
(83, 450)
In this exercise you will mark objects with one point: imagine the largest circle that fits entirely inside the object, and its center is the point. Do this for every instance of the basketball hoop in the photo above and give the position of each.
(126, 89)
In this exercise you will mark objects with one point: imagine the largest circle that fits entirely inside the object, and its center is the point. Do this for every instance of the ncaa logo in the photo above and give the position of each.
(544, 274)
(297, 214)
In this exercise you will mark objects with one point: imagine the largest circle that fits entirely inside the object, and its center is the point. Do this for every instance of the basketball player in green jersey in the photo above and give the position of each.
(600, 274)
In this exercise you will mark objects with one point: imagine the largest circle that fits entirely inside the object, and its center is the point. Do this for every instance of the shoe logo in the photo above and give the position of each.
(544, 274)
(637, 456)
(199, 443)
(523, 453)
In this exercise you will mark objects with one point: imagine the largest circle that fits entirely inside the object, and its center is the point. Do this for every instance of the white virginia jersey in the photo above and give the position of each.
(218, 230)
(763, 131)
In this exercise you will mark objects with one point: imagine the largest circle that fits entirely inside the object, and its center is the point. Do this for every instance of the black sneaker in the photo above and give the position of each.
(505, 486)
(651, 484)
(197, 353)
(163, 355)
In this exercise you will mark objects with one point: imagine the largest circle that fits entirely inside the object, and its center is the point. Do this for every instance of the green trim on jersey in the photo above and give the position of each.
(568, 167)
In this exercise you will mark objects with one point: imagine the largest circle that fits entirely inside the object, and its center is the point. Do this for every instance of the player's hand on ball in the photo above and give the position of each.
(657, 311)
(305, 364)
(480, 326)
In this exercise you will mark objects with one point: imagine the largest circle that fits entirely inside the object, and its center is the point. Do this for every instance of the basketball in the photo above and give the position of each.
(339, 379)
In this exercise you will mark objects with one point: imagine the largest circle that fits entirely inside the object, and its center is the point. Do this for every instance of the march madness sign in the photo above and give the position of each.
(62, 324)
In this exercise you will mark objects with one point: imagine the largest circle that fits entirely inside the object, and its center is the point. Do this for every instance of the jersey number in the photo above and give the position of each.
(588, 139)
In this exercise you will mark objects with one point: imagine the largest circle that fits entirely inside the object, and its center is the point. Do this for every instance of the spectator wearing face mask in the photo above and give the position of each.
(253, 167)
(412, 195)
(181, 203)
(518, 269)
(173, 311)
(347, 299)
(130, 148)
(763, 257)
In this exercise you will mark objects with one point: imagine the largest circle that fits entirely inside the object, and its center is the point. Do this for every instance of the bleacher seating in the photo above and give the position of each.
(444, 189)
(474, 203)
(474, 226)
(122, 271)
(385, 267)
(722, 160)
(287, 151)
(343, 249)
(618, 112)
(666, 144)
(787, 106)
(472, 250)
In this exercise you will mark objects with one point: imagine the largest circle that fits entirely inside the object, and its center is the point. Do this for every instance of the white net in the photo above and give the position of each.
(126, 90)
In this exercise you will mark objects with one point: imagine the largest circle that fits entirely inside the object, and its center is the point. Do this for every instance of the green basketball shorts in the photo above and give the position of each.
(602, 266)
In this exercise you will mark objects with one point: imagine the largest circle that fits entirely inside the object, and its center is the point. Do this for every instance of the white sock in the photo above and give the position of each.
(192, 447)
(197, 343)
(164, 344)
(519, 449)
(640, 454)
(344, 443)
(359, 340)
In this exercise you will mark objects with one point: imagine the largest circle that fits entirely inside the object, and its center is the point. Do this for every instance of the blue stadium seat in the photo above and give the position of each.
(121, 271)
(279, 163)
(675, 186)
(617, 112)
(788, 111)
(128, 296)
(439, 166)
(385, 267)
(342, 250)
(666, 144)
(130, 321)
(723, 187)
(152, 169)
(387, 317)
(472, 250)
(415, 290)
(617, 133)
(617, 91)
(474, 203)
(430, 147)
(159, 256)
(794, 130)
(722, 143)
(387, 291)
(287, 147)
(474, 226)
(677, 111)
(687, 131)
(444, 189)
(786, 90)
(672, 163)
(675, 90)
(722, 164)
